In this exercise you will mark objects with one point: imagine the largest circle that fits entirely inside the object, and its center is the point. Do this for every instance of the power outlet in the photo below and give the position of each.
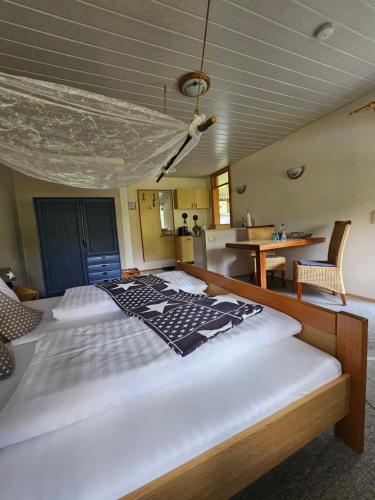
(211, 238)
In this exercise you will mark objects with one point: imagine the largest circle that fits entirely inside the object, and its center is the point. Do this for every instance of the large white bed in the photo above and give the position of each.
(171, 409)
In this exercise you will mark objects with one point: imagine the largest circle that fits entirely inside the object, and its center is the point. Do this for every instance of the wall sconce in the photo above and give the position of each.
(295, 173)
(241, 189)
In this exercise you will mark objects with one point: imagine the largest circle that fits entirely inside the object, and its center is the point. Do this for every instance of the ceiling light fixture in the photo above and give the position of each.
(193, 83)
(324, 31)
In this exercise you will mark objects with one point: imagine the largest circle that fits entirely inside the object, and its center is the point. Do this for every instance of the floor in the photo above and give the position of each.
(326, 469)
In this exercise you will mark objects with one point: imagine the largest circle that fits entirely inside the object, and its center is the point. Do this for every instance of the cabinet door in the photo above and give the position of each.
(99, 222)
(61, 244)
(187, 249)
(201, 198)
(184, 198)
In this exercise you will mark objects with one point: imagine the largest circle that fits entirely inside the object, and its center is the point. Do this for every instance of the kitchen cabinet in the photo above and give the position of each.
(190, 198)
(184, 248)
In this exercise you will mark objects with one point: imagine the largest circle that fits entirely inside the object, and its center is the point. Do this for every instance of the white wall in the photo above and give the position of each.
(338, 184)
(222, 260)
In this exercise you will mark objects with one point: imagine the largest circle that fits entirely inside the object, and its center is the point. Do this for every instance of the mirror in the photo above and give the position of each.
(166, 213)
(157, 224)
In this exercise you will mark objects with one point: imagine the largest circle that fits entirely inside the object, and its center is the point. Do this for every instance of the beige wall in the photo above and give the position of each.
(10, 243)
(338, 184)
(131, 221)
(27, 188)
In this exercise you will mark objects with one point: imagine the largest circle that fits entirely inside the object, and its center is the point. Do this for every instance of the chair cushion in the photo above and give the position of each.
(318, 263)
(16, 319)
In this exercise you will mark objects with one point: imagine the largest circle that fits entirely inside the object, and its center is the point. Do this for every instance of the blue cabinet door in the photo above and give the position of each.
(61, 243)
(99, 221)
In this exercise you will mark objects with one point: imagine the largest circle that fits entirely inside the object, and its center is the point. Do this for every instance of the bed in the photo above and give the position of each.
(219, 433)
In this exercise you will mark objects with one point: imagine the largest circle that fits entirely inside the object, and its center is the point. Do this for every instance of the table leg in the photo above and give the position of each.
(261, 269)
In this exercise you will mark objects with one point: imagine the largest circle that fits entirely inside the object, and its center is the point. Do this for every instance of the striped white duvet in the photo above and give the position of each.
(83, 371)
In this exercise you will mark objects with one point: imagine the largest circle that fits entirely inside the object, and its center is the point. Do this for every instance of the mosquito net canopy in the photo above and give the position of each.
(70, 136)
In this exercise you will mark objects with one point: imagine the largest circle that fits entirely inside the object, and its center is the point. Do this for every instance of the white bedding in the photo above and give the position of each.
(117, 451)
(22, 356)
(84, 302)
(49, 324)
(82, 371)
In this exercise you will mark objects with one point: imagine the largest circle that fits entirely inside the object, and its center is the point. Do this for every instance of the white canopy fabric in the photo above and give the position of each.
(70, 136)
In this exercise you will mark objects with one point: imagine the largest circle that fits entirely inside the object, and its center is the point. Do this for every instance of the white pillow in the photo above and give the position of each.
(4, 288)
(184, 281)
(84, 302)
(89, 301)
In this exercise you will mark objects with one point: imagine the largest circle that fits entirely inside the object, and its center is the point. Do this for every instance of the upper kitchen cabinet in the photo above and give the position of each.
(192, 198)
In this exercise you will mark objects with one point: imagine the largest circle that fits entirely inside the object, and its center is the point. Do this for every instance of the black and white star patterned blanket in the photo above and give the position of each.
(183, 320)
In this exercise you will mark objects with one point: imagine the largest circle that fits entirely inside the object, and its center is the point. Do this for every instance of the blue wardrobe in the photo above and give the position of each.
(78, 241)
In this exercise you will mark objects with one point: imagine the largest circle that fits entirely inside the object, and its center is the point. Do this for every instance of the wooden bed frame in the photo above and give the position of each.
(235, 463)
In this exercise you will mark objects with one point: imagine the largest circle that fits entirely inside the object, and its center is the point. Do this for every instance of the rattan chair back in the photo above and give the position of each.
(338, 241)
(260, 232)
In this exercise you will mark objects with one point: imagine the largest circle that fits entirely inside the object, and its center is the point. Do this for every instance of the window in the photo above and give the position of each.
(221, 203)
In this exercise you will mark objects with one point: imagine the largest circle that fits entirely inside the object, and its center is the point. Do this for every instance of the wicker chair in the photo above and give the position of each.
(273, 262)
(325, 274)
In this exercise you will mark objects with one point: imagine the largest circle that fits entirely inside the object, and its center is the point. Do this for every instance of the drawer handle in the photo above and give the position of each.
(104, 265)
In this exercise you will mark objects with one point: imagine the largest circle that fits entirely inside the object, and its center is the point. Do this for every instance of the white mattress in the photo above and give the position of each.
(117, 451)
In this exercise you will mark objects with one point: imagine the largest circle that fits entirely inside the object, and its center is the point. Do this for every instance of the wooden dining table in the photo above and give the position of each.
(261, 247)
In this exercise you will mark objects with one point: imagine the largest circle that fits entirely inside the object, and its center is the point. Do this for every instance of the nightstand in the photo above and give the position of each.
(130, 273)
(25, 294)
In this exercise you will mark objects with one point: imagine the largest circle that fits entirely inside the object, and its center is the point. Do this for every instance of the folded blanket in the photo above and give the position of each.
(183, 320)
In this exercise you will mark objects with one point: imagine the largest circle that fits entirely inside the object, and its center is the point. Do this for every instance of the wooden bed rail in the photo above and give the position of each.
(306, 313)
(342, 335)
(233, 464)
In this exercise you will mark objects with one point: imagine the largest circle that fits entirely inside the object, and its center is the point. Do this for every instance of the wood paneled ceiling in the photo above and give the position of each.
(270, 76)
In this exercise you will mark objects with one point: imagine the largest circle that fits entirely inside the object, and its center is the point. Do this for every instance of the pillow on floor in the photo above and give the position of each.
(16, 319)
(6, 362)
(4, 288)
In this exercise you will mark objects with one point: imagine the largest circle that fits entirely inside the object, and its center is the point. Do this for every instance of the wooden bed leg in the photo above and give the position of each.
(299, 290)
(343, 298)
(351, 351)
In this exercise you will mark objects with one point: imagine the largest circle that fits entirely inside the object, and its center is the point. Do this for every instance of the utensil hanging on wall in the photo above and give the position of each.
(370, 105)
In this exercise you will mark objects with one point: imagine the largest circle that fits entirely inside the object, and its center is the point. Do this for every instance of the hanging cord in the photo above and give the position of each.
(196, 111)
(165, 99)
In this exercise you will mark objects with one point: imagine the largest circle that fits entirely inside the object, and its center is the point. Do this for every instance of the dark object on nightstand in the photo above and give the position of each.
(131, 272)
(25, 294)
